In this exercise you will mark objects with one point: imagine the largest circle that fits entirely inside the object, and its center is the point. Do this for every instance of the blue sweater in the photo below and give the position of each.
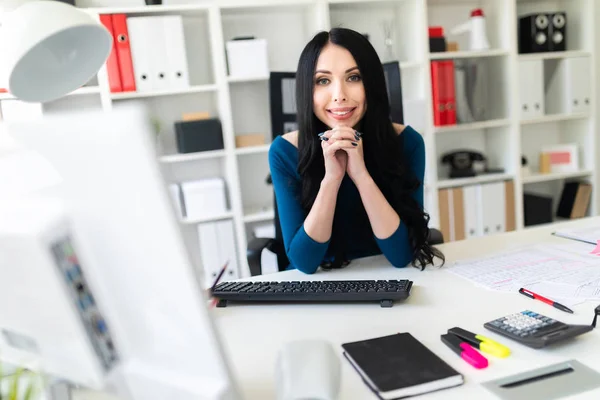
(306, 254)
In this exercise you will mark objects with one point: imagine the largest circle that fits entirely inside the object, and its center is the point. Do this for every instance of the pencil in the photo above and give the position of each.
(219, 276)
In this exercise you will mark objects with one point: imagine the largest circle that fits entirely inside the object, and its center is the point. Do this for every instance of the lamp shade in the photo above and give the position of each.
(50, 48)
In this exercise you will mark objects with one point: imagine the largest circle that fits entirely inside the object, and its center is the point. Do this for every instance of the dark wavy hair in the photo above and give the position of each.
(383, 157)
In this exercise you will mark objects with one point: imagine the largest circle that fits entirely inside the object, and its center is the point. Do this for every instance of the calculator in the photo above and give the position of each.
(535, 330)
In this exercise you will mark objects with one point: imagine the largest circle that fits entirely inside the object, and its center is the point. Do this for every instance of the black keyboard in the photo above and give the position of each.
(384, 292)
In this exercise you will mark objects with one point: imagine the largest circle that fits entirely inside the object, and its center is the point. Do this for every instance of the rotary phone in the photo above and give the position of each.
(462, 162)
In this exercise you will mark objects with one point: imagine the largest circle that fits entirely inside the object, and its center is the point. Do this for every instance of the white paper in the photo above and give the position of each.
(562, 276)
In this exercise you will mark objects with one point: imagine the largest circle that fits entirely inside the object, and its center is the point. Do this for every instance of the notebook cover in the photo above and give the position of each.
(398, 361)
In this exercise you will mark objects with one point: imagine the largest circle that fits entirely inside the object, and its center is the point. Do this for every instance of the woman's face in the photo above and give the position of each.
(339, 95)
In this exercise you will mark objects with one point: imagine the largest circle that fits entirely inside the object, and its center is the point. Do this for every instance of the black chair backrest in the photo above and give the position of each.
(282, 96)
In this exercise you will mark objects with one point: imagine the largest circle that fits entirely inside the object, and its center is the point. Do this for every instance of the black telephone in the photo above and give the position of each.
(461, 162)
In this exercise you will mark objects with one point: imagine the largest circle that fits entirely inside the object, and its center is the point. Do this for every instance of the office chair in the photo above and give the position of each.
(283, 119)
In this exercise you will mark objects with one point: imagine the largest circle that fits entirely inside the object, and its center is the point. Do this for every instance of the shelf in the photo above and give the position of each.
(78, 92)
(467, 54)
(259, 216)
(535, 178)
(554, 118)
(205, 155)
(217, 217)
(136, 95)
(554, 54)
(494, 123)
(253, 149)
(236, 79)
(154, 9)
(245, 4)
(410, 64)
(484, 178)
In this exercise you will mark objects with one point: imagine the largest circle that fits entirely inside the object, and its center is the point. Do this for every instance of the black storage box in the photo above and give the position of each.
(537, 209)
(200, 135)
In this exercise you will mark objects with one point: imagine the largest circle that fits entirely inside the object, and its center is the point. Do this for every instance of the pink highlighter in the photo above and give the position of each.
(465, 351)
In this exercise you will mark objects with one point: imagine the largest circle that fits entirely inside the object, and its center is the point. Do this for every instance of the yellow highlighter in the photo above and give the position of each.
(482, 343)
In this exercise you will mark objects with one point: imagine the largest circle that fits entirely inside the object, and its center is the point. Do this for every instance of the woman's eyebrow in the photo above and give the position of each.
(322, 71)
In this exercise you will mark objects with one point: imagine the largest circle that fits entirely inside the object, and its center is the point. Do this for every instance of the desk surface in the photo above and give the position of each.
(253, 334)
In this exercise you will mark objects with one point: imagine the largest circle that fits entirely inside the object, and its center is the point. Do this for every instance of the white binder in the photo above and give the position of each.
(568, 86)
(209, 251)
(176, 56)
(580, 74)
(472, 207)
(148, 52)
(531, 89)
(227, 252)
(493, 203)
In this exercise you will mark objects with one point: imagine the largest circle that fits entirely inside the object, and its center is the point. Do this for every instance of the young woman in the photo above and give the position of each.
(349, 182)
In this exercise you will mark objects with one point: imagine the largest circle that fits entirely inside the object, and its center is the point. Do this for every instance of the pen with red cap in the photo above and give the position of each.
(465, 351)
(536, 296)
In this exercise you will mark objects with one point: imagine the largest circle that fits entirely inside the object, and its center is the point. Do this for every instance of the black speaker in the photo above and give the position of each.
(558, 31)
(534, 33)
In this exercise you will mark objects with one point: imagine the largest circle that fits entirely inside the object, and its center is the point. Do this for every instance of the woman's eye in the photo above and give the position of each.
(322, 81)
(354, 78)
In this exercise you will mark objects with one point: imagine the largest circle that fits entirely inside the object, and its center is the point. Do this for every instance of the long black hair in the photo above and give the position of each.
(382, 153)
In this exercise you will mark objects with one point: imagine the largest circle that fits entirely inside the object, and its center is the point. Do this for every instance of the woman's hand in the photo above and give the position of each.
(348, 140)
(336, 159)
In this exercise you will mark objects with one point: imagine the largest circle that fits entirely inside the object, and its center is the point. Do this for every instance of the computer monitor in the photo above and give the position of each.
(100, 290)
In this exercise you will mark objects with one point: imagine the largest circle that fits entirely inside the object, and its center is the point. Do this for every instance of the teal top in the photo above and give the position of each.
(306, 254)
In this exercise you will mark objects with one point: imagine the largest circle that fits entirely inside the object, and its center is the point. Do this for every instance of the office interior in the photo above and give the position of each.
(505, 96)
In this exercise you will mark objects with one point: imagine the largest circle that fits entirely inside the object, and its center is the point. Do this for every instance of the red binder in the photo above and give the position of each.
(112, 63)
(123, 52)
(443, 92)
(437, 93)
(449, 96)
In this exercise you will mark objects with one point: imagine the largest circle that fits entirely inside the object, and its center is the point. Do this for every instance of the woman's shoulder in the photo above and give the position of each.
(411, 138)
(283, 152)
(291, 137)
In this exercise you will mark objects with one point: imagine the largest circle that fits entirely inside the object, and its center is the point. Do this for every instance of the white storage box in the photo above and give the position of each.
(247, 58)
(204, 198)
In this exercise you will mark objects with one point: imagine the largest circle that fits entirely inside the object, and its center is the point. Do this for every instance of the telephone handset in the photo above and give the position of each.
(461, 162)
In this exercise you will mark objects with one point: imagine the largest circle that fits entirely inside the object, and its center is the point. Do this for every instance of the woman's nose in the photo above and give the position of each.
(339, 94)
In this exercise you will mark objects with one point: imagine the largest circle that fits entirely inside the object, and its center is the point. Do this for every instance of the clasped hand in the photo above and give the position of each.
(343, 152)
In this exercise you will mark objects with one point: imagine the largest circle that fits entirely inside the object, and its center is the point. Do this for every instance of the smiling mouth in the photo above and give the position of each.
(340, 112)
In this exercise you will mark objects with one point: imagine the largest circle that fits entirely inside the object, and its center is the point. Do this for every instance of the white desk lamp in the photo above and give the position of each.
(49, 48)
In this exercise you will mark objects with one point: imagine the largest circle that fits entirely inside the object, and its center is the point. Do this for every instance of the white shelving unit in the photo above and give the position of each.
(242, 105)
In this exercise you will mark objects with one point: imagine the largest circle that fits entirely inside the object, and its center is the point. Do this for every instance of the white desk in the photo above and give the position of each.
(253, 334)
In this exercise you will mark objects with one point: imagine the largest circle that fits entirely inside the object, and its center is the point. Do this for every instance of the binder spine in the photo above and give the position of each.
(124, 52)
(112, 63)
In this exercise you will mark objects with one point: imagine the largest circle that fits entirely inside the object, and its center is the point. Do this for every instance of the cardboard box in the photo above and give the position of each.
(255, 139)
(247, 58)
(195, 116)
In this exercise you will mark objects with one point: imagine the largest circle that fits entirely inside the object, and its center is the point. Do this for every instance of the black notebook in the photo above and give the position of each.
(398, 366)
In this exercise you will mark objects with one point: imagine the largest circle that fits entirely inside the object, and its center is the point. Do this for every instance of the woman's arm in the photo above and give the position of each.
(319, 222)
(305, 240)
